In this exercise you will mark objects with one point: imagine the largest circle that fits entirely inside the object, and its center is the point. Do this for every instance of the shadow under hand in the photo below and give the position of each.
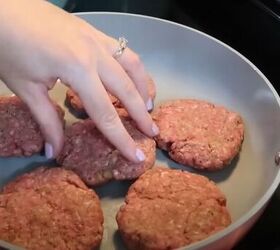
(75, 113)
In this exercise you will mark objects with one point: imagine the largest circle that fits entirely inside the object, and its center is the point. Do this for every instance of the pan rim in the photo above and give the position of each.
(270, 191)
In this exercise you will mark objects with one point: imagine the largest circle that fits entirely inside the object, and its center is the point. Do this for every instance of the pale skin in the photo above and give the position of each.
(40, 43)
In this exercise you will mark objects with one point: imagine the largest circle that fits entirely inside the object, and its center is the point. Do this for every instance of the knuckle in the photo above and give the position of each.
(109, 120)
(129, 88)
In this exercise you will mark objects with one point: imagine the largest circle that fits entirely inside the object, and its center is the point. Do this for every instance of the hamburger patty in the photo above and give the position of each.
(73, 100)
(88, 153)
(20, 134)
(198, 133)
(166, 209)
(50, 209)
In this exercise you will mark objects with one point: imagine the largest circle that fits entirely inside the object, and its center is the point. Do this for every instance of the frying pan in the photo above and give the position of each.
(186, 63)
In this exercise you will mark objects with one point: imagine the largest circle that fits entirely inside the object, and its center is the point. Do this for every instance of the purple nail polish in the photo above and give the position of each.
(149, 104)
(48, 151)
(140, 155)
(155, 129)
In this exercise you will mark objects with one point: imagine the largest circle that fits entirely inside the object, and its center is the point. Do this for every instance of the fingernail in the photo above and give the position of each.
(149, 104)
(140, 155)
(155, 129)
(48, 151)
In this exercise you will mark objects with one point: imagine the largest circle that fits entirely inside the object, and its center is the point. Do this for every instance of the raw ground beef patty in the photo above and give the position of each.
(76, 104)
(88, 153)
(166, 209)
(198, 133)
(50, 209)
(19, 133)
(73, 100)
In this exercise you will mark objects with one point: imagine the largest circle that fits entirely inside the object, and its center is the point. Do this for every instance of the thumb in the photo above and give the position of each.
(48, 116)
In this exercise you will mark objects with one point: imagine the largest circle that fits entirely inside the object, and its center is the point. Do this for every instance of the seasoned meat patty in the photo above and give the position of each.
(50, 209)
(198, 133)
(166, 209)
(88, 153)
(19, 133)
(73, 100)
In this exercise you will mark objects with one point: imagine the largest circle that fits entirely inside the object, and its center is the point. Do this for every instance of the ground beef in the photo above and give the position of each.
(73, 100)
(20, 134)
(76, 106)
(198, 133)
(88, 153)
(167, 209)
(50, 209)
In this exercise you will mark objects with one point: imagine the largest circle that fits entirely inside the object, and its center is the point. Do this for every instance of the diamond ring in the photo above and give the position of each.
(122, 46)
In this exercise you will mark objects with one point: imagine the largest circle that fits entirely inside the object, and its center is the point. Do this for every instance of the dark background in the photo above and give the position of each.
(250, 26)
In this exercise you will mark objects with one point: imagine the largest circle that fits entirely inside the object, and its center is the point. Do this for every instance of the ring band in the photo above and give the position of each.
(122, 46)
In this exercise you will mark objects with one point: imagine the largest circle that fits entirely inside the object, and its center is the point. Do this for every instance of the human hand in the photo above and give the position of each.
(41, 43)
